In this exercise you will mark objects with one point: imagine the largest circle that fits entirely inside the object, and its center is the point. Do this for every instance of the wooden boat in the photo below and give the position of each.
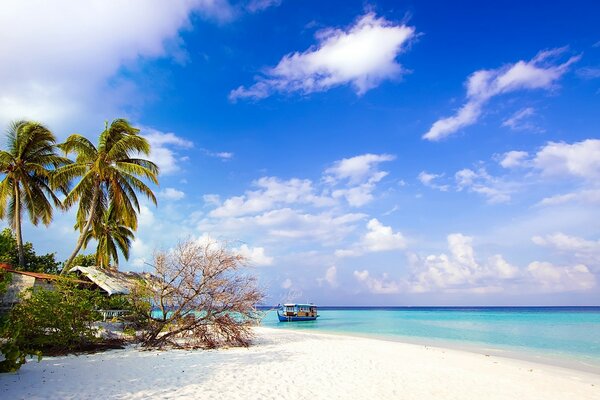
(297, 312)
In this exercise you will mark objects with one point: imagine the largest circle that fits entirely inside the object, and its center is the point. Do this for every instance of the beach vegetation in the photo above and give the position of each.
(111, 236)
(9, 254)
(85, 260)
(27, 163)
(54, 321)
(200, 297)
(110, 175)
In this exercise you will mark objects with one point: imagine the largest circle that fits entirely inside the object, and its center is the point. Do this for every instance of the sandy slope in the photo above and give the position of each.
(291, 365)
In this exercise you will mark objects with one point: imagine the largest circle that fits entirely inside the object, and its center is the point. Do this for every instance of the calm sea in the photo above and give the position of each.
(553, 334)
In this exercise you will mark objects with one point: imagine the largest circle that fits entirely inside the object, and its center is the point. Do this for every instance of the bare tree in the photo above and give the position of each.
(200, 297)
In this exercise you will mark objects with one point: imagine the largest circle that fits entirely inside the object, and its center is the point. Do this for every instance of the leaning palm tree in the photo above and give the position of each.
(112, 237)
(27, 164)
(109, 174)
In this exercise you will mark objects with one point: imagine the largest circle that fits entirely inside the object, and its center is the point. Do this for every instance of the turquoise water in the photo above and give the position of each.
(565, 332)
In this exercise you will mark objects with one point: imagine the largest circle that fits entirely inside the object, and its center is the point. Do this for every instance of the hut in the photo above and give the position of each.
(20, 281)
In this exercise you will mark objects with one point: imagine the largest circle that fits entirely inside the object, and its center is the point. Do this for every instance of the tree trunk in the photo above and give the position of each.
(84, 231)
(17, 227)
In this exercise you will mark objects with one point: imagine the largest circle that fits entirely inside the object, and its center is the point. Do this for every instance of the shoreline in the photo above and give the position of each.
(286, 364)
(529, 355)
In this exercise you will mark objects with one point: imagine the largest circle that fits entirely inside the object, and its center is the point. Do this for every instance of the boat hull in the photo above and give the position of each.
(283, 318)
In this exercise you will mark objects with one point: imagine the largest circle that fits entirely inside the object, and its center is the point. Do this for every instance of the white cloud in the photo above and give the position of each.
(363, 55)
(255, 255)
(591, 196)
(163, 149)
(360, 174)
(514, 159)
(552, 278)
(287, 224)
(381, 285)
(286, 284)
(460, 271)
(171, 194)
(146, 216)
(330, 277)
(259, 5)
(482, 183)
(356, 169)
(580, 159)
(542, 72)
(428, 180)
(378, 238)
(65, 59)
(519, 121)
(589, 72)
(212, 199)
(271, 192)
(587, 251)
(223, 155)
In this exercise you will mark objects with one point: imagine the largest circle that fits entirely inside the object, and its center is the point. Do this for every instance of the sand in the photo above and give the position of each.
(295, 365)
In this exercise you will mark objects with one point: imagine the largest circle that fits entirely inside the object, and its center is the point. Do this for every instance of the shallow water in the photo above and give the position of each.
(571, 333)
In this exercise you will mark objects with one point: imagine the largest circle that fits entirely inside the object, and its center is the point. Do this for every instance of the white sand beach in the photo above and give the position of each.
(296, 365)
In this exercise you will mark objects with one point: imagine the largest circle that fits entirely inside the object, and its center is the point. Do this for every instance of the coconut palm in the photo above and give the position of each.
(27, 164)
(111, 236)
(110, 173)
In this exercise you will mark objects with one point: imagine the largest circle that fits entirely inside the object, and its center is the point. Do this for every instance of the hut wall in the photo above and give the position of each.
(18, 284)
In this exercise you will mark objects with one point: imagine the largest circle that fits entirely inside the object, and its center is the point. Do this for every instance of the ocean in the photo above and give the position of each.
(567, 336)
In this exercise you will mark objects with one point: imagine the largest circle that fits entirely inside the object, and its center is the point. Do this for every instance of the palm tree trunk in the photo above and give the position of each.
(84, 231)
(17, 227)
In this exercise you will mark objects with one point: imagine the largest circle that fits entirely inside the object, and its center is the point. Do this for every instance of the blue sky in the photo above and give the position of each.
(372, 153)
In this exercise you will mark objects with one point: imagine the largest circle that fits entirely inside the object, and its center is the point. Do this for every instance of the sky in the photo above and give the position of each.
(358, 153)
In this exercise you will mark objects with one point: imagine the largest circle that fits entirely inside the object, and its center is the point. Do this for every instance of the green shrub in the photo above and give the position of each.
(50, 322)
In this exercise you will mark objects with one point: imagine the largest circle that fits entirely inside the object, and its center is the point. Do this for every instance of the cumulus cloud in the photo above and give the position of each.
(378, 238)
(363, 55)
(164, 149)
(460, 271)
(65, 59)
(171, 194)
(382, 285)
(541, 72)
(514, 159)
(359, 175)
(587, 251)
(330, 277)
(579, 159)
(552, 278)
(482, 183)
(255, 255)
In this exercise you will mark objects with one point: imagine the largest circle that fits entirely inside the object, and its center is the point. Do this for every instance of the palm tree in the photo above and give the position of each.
(111, 236)
(109, 174)
(27, 164)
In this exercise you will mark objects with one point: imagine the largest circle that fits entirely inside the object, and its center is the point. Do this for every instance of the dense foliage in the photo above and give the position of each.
(110, 175)
(9, 254)
(85, 260)
(52, 321)
(27, 164)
